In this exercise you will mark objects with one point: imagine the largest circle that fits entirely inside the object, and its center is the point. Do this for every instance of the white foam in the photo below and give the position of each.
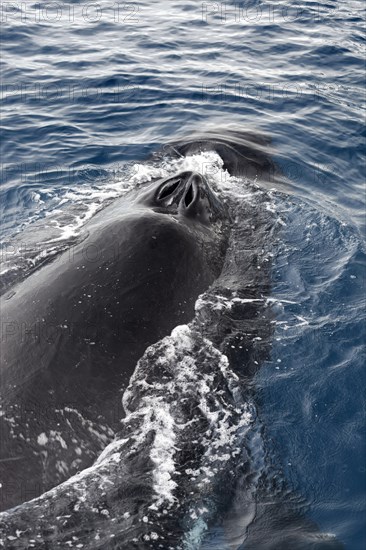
(179, 358)
(42, 439)
(162, 455)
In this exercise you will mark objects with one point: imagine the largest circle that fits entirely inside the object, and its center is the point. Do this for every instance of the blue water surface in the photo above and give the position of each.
(88, 89)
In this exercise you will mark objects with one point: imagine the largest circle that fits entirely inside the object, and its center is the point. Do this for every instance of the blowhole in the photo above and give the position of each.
(188, 198)
(168, 189)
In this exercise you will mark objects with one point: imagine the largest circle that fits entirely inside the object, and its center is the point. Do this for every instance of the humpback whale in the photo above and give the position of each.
(180, 449)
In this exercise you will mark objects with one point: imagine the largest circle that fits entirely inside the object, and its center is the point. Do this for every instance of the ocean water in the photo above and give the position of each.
(91, 91)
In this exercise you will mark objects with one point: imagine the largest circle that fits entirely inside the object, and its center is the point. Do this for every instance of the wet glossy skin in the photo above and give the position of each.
(73, 331)
(161, 248)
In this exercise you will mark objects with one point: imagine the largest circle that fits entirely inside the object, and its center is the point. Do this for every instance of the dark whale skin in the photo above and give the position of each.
(73, 332)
